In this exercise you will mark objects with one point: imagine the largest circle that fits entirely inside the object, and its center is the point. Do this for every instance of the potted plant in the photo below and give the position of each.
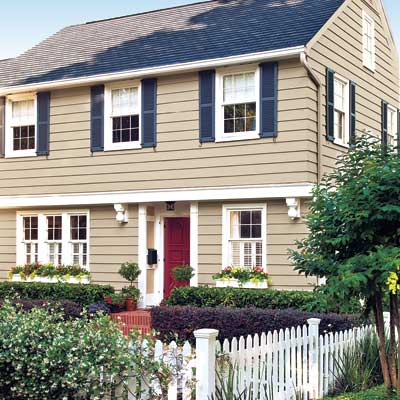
(116, 302)
(183, 274)
(130, 271)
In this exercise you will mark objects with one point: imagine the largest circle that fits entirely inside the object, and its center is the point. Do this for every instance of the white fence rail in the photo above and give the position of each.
(290, 364)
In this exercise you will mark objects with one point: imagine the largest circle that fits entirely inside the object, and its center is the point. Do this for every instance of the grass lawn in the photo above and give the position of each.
(377, 393)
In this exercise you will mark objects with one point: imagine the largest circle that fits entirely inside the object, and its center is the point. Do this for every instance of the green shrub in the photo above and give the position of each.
(183, 273)
(44, 357)
(260, 298)
(84, 295)
(377, 393)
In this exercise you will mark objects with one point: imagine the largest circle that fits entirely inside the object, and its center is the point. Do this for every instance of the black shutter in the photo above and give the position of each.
(2, 125)
(43, 123)
(384, 123)
(330, 104)
(352, 97)
(269, 100)
(97, 118)
(207, 105)
(149, 112)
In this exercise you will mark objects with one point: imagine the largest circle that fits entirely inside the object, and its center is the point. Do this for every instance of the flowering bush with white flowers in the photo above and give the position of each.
(42, 356)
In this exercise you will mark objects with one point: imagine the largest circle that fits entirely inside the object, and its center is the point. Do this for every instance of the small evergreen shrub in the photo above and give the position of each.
(267, 299)
(84, 295)
(173, 322)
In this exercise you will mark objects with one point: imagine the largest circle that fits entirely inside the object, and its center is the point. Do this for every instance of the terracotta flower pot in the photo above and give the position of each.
(131, 304)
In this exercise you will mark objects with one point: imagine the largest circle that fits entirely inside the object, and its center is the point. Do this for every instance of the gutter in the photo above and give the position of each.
(315, 79)
(290, 52)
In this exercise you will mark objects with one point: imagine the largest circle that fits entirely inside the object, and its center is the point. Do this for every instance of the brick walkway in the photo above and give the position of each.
(139, 319)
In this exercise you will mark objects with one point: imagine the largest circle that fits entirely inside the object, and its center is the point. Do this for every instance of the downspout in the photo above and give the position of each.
(315, 79)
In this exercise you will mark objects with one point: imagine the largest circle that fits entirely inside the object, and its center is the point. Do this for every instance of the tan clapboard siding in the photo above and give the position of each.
(340, 48)
(179, 161)
(281, 235)
(7, 241)
(111, 244)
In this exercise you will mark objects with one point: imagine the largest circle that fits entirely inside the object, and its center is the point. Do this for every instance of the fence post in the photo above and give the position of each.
(386, 319)
(205, 362)
(313, 334)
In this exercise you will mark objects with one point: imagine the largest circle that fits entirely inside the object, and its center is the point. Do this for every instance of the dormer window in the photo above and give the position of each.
(368, 42)
(122, 119)
(237, 102)
(21, 126)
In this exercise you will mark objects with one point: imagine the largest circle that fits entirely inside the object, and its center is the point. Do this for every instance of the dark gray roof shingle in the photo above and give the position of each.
(213, 29)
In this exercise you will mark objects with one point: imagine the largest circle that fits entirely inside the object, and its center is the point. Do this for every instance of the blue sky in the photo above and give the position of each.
(25, 22)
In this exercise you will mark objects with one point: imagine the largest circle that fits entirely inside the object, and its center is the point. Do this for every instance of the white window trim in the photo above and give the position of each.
(394, 110)
(108, 143)
(370, 64)
(226, 208)
(346, 133)
(220, 136)
(42, 238)
(9, 150)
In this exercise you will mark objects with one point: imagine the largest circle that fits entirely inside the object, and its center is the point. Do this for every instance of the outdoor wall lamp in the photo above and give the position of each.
(122, 213)
(293, 207)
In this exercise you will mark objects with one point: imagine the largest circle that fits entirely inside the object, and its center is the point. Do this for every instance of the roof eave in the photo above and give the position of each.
(286, 53)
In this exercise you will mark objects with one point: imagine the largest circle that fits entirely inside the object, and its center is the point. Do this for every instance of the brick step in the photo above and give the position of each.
(139, 319)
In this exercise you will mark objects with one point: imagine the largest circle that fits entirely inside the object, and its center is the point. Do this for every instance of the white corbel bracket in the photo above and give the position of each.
(293, 207)
(122, 213)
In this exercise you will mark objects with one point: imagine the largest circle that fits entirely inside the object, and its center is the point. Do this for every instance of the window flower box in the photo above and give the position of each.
(234, 283)
(242, 277)
(48, 273)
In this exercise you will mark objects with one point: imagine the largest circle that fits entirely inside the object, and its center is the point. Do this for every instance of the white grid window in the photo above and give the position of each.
(341, 115)
(54, 239)
(245, 238)
(30, 239)
(58, 238)
(368, 42)
(78, 224)
(239, 103)
(22, 136)
(392, 126)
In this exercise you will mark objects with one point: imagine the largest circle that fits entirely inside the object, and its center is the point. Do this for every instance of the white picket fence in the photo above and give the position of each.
(282, 365)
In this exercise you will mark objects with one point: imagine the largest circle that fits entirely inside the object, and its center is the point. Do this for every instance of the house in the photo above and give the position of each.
(198, 131)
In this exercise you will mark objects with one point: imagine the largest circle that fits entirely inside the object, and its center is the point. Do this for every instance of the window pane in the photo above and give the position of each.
(240, 111)
(23, 138)
(239, 88)
(245, 231)
(256, 217)
(256, 231)
(240, 125)
(229, 112)
(247, 254)
(245, 217)
(125, 101)
(23, 112)
(229, 126)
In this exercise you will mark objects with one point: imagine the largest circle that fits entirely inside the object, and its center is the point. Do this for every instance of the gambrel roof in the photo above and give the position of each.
(195, 32)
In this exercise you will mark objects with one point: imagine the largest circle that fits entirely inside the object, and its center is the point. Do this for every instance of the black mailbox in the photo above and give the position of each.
(152, 257)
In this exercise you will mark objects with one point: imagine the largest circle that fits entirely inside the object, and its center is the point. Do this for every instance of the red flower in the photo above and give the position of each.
(109, 300)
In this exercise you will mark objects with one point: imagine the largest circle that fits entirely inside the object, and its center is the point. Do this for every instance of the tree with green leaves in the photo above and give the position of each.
(354, 239)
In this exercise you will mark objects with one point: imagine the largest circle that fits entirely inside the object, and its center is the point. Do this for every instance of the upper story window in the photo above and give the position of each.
(341, 117)
(58, 238)
(237, 104)
(392, 126)
(122, 117)
(368, 41)
(21, 126)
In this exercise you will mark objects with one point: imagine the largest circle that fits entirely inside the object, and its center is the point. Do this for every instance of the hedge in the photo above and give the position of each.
(69, 309)
(177, 322)
(84, 295)
(260, 298)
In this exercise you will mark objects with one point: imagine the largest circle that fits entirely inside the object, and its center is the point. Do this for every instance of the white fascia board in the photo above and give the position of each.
(156, 71)
(150, 196)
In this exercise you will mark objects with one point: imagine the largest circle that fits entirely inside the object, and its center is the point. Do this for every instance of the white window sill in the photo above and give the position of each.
(21, 153)
(370, 68)
(246, 136)
(341, 144)
(126, 146)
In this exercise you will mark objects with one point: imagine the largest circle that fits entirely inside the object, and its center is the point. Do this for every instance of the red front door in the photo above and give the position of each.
(176, 249)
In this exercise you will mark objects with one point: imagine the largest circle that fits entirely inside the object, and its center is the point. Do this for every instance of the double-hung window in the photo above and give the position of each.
(392, 126)
(21, 126)
(53, 237)
(341, 111)
(368, 41)
(122, 122)
(237, 104)
(244, 236)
